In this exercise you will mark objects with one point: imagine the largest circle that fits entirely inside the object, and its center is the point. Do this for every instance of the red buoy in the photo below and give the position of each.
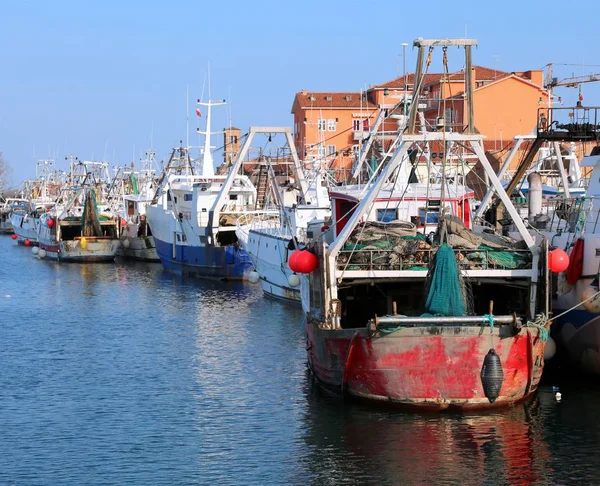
(558, 260)
(50, 223)
(123, 222)
(27, 242)
(292, 259)
(14, 236)
(303, 262)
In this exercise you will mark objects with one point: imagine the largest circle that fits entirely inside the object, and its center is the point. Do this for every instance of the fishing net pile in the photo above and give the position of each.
(90, 224)
(398, 246)
(445, 289)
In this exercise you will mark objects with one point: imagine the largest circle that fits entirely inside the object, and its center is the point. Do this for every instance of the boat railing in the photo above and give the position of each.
(564, 214)
(264, 220)
(476, 259)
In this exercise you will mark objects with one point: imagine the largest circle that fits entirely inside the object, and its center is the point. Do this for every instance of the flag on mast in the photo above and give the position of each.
(198, 112)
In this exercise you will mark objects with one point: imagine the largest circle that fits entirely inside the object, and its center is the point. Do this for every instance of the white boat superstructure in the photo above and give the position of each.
(193, 215)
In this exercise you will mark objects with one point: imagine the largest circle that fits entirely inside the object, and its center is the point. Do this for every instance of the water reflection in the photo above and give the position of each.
(352, 442)
(125, 374)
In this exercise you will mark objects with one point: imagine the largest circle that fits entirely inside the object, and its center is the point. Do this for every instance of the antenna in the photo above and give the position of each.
(187, 116)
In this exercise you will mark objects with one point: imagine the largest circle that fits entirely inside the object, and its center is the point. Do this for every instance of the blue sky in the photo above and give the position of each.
(96, 78)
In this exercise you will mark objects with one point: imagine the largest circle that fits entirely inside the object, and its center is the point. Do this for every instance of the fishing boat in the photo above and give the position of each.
(269, 237)
(137, 190)
(193, 215)
(568, 221)
(40, 195)
(73, 234)
(7, 206)
(406, 304)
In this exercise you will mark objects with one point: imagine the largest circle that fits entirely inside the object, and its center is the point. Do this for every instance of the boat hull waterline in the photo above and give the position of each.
(427, 367)
(98, 250)
(221, 262)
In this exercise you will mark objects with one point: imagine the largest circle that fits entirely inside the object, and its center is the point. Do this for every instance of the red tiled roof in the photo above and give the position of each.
(481, 74)
(332, 100)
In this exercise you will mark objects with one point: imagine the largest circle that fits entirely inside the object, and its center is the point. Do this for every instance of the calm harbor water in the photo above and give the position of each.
(123, 374)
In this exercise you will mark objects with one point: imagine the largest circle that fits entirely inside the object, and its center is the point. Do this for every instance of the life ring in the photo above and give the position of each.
(575, 268)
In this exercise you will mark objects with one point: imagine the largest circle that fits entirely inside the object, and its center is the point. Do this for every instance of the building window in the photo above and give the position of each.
(321, 151)
(330, 149)
(356, 125)
(233, 139)
(331, 124)
(321, 123)
(356, 149)
(386, 215)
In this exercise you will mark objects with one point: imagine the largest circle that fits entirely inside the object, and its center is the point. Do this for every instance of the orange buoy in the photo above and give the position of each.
(14, 236)
(575, 268)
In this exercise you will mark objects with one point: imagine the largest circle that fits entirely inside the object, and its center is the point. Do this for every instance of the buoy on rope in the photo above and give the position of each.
(549, 349)
(42, 253)
(83, 243)
(492, 375)
(253, 277)
(50, 223)
(126, 243)
(14, 236)
(27, 242)
(35, 250)
(293, 280)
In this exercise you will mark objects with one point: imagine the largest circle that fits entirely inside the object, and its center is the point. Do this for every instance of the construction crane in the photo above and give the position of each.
(572, 82)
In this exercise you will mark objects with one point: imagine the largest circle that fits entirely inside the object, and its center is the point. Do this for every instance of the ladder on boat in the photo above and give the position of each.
(262, 186)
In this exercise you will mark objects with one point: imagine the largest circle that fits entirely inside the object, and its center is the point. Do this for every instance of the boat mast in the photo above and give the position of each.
(208, 169)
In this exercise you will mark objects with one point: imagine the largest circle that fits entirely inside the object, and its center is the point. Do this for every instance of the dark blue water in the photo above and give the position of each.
(122, 374)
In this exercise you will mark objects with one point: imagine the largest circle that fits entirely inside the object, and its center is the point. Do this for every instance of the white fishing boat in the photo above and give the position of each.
(7, 206)
(41, 194)
(193, 215)
(270, 237)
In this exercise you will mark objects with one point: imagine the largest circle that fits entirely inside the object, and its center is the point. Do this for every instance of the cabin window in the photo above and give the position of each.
(321, 123)
(331, 124)
(178, 237)
(233, 197)
(175, 199)
(386, 215)
(168, 195)
(187, 197)
(203, 210)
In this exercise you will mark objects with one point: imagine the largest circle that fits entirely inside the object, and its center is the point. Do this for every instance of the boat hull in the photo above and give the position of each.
(222, 262)
(141, 248)
(25, 227)
(427, 367)
(269, 254)
(98, 250)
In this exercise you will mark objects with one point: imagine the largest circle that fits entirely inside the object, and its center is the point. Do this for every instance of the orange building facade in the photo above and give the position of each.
(332, 126)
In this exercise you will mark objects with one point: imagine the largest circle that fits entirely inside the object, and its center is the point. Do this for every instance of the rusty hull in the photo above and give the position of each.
(429, 367)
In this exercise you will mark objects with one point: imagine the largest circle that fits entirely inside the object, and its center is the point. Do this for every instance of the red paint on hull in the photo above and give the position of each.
(425, 367)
